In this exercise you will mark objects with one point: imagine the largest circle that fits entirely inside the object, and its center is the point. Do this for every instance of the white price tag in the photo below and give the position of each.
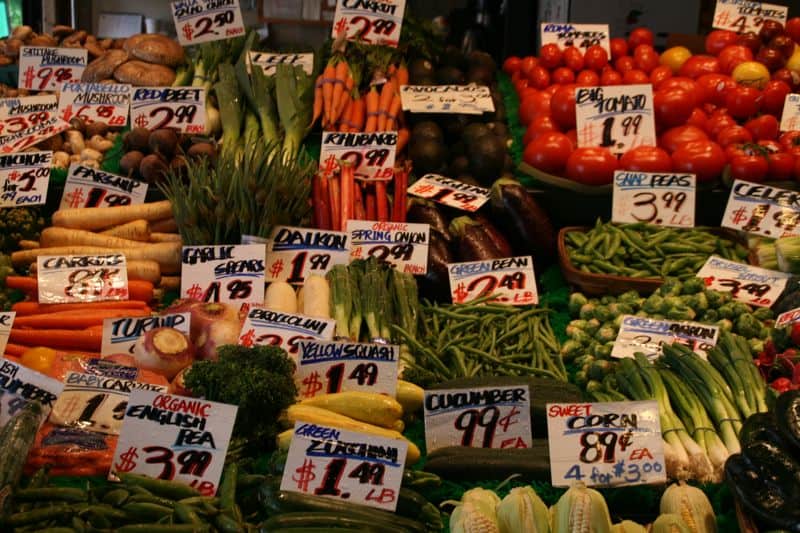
(81, 278)
(762, 210)
(372, 154)
(91, 187)
(648, 335)
(43, 68)
(293, 254)
(790, 118)
(166, 436)
(24, 178)
(581, 36)
(401, 244)
(467, 99)
(654, 198)
(273, 328)
(618, 117)
(108, 103)
(743, 15)
(486, 417)
(375, 22)
(120, 335)
(202, 21)
(605, 444)
(331, 367)
(450, 192)
(224, 273)
(6, 321)
(511, 280)
(749, 284)
(268, 61)
(28, 120)
(345, 465)
(789, 317)
(19, 385)
(182, 108)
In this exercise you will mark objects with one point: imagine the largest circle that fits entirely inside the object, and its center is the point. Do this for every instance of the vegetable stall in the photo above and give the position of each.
(390, 284)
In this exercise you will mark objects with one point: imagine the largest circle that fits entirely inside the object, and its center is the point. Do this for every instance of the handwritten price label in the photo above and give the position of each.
(790, 118)
(749, 284)
(377, 22)
(742, 15)
(108, 103)
(6, 321)
(400, 244)
(202, 21)
(618, 117)
(605, 444)
(450, 192)
(182, 108)
(120, 335)
(510, 280)
(467, 99)
(81, 278)
(372, 154)
(89, 187)
(581, 36)
(263, 327)
(43, 68)
(762, 210)
(24, 178)
(269, 61)
(27, 121)
(293, 254)
(225, 273)
(654, 198)
(789, 317)
(647, 335)
(19, 385)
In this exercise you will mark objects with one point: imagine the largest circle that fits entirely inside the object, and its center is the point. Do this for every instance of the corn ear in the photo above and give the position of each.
(476, 513)
(580, 510)
(378, 409)
(628, 526)
(692, 505)
(522, 511)
(669, 523)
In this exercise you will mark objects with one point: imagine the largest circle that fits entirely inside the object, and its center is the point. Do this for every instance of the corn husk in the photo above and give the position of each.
(476, 513)
(692, 505)
(669, 523)
(628, 526)
(522, 511)
(580, 510)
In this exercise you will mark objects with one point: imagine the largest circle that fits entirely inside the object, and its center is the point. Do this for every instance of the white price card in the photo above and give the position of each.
(662, 199)
(19, 385)
(28, 120)
(224, 273)
(91, 187)
(789, 317)
(331, 367)
(268, 61)
(42, 68)
(581, 36)
(790, 118)
(120, 335)
(469, 99)
(450, 192)
(401, 244)
(24, 178)
(6, 321)
(372, 154)
(762, 209)
(286, 330)
(485, 417)
(176, 438)
(181, 108)
(511, 280)
(746, 283)
(744, 15)
(108, 103)
(605, 444)
(619, 117)
(648, 335)
(82, 278)
(374, 22)
(345, 465)
(293, 253)
(202, 21)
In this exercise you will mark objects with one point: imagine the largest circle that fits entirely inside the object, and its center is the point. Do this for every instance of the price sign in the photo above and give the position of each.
(91, 187)
(784, 319)
(202, 21)
(24, 178)
(166, 436)
(510, 280)
(462, 99)
(345, 465)
(605, 444)
(331, 367)
(450, 192)
(6, 321)
(403, 245)
(790, 118)
(376, 22)
(293, 254)
(648, 335)
(746, 283)
(654, 198)
(581, 36)
(743, 15)
(182, 108)
(27, 121)
(19, 385)
(486, 417)
(225, 273)
(268, 61)
(120, 335)
(42, 68)
(273, 328)
(372, 154)
(81, 278)
(619, 117)
(762, 210)
(108, 103)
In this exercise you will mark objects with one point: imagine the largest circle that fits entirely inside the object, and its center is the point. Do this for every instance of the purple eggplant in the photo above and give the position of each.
(425, 212)
(474, 243)
(517, 213)
(435, 284)
(498, 238)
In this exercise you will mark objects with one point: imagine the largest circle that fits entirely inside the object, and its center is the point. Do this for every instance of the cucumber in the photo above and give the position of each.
(16, 438)
(329, 520)
(460, 463)
(412, 504)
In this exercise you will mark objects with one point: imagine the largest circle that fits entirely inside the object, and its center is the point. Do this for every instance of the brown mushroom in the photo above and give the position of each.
(5, 60)
(21, 32)
(42, 40)
(60, 31)
(141, 74)
(105, 44)
(12, 46)
(103, 67)
(131, 41)
(157, 49)
(93, 47)
(75, 40)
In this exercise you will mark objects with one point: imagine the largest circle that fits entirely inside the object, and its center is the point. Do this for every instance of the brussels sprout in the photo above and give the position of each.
(576, 301)
(670, 287)
(693, 286)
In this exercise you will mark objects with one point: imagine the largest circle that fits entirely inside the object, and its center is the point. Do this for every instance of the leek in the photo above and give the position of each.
(356, 272)
(230, 103)
(341, 299)
(294, 92)
(373, 291)
(264, 89)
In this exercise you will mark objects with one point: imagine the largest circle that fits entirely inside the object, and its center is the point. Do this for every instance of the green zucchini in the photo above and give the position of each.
(16, 438)
(330, 520)
(412, 504)
(460, 463)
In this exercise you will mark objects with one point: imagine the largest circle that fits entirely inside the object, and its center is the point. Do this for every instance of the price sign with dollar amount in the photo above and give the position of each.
(232, 274)
(469, 99)
(371, 154)
(264, 327)
(450, 192)
(43, 68)
(108, 103)
(784, 319)
(120, 335)
(581, 36)
(762, 210)
(6, 321)
(790, 118)
(744, 16)
(402, 245)
(81, 278)
(91, 187)
(618, 117)
(511, 280)
(486, 417)
(746, 283)
(20, 385)
(648, 335)
(374, 22)
(181, 108)
(27, 121)
(345, 465)
(293, 253)
(202, 21)
(268, 61)
(24, 178)
(654, 198)
(605, 444)
(176, 438)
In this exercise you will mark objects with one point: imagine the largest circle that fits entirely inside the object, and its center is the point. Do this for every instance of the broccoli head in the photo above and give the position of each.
(19, 223)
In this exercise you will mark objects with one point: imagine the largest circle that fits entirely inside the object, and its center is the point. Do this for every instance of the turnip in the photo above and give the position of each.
(165, 351)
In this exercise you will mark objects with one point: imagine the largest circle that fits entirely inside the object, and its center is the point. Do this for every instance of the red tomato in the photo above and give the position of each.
(797, 167)
(646, 159)
(645, 57)
(698, 118)
(592, 166)
(764, 127)
(732, 55)
(680, 82)
(527, 64)
(659, 75)
(610, 77)
(539, 77)
(791, 142)
(733, 134)
(573, 58)
(595, 57)
(563, 75)
(734, 150)
(511, 65)
(789, 77)
(716, 40)
(774, 93)
(551, 89)
(743, 102)
(562, 107)
(717, 122)
(749, 168)
(792, 29)
(696, 66)
(540, 124)
(674, 138)
(527, 92)
(672, 106)
(521, 84)
(533, 106)
(587, 78)
(640, 36)
(550, 56)
(706, 159)
(634, 77)
(548, 152)
(773, 147)
(624, 64)
(781, 166)
(711, 88)
(619, 47)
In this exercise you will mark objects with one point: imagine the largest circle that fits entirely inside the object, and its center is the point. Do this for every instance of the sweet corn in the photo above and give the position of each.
(476, 513)
(580, 510)
(628, 526)
(669, 523)
(522, 511)
(692, 505)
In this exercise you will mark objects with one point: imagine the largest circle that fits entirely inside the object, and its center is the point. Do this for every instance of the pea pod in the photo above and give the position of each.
(160, 487)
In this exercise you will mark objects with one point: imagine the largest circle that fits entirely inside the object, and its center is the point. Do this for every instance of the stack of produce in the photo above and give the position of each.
(779, 361)
(60, 36)
(150, 155)
(82, 143)
(141, 60)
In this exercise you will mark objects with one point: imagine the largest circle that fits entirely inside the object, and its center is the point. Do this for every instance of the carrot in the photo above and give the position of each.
(317, 99)
(359, 213)
(347, 179)
(381, 201)
(344, 120)
(136, 230)
(167, 225)
(137, 289)
(65, 339)
(328, 77)
(402, 75)
(164, 237)
(357, 114)
(324, 207)
(372, 110)
(335, 195)
(34, 308)
(16, 350)
(341, 73)
(383, 106)
(93, 218)
(402, 139)
(28, 245)
(74, 319)
(26, 284)
(372, 213)
(392, 118)
(166, 254)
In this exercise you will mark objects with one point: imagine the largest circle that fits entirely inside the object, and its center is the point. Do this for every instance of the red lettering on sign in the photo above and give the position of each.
(170, 403)
(570, 410)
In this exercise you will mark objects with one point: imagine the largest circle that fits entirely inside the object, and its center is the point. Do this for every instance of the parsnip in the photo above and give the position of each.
(95, 218)
(137, 230)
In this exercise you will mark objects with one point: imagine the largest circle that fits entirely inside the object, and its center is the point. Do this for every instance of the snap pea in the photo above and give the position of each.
(159, 487)
(227, 487)
(146, 511)
(116, 497)
(186, 515)
(163, 528)
(38, 515)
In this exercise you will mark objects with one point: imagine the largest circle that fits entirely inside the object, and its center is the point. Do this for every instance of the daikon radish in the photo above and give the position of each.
(316, 297)
(280, 296)
(166, 254)
(164, 237)
(170, 283)
(28, 245)
(138, 230)
(167, 225)
(94, 218)
(143, 270)
(301, 298)
(76, 237)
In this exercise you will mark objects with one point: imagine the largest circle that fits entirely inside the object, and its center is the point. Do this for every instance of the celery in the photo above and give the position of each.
(788, 254)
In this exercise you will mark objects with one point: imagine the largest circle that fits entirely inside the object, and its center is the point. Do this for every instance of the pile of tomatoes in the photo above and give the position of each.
(712, 110)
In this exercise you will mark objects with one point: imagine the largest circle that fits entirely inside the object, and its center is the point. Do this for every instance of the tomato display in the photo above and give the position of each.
(696, 66)
(717, 40)
(672, 106)
(732, 55)
(573, 59)
(706, 159)
(592, 166)
(595, 57)
(549, 152)
(743, 102)
(764, 127)
(749, 167)
(646, 159)
(774, 96)
(550, 56)
(562, 107)
(680, 135)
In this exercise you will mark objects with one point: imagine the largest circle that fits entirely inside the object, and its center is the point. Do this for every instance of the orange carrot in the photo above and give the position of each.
(25, 284)
(347, 95)
(370, 204)
(359, 213)
(328, 78)
(336, 203)
(34, 308)
(394, 109)
(381, 201)
(391, 70)
(348, 184)
(383, 106)
(345, 124)
(16, 349)
(75, 319)
(372, 99)
(402, 75)
(357, 116)
(66, 339)
(317, 99)
(402, 139)
(341, 73)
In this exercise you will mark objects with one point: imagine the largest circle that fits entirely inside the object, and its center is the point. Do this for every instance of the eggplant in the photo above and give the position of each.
(436, 282)
(498, 238)
(761, 426)
(474, 242)
(425, 212)
(787, 416)
(518, 214)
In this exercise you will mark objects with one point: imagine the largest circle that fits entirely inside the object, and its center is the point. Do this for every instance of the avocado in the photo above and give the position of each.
(419, 69)
(477, 58)
(487, 158)
(473, 131)
(480, 75)
(499, 128)
(449, 76)
(453, 125)
(453, 57)
(459, 165)
(428, 156)
(468, 179)
(427, 129)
